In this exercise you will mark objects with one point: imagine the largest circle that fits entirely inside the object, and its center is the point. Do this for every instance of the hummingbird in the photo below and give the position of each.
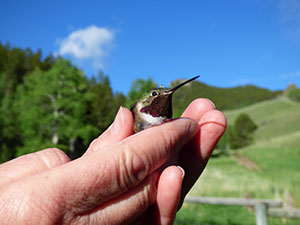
(154, 107)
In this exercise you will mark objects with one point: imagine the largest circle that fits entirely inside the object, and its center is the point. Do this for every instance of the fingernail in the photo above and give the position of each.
(182, 170)
(211, 102)
(118, 122)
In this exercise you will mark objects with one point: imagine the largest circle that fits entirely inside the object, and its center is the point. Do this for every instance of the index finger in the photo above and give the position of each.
(212, 125)
(100, 176)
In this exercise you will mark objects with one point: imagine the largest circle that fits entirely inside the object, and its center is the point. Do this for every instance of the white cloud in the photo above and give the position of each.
(91, 43)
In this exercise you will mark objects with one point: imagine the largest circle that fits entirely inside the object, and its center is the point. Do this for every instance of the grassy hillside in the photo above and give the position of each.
(277, 119)
(269, 168)
(224, 98)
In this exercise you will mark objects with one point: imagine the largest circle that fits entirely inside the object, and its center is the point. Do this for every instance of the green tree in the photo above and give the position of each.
(224, 142)
(105, 103)
(294, 94)
(52, 108)
(15, 64)
(9, 129)
(242, 133)
(138, 88)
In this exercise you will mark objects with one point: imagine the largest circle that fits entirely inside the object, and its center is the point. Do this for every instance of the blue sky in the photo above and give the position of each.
(228, 43)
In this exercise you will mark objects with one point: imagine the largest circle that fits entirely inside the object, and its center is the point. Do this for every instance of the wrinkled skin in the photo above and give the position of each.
(121, 179)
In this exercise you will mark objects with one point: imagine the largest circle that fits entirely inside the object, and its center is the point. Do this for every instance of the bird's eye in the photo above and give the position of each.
(154, 93)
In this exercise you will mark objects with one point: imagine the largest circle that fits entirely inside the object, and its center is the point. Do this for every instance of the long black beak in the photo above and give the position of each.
(181, 84)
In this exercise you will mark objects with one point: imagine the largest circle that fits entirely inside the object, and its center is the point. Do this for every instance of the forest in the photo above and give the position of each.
(49, 102)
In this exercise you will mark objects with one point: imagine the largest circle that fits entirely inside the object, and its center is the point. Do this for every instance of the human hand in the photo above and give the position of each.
(117, 180)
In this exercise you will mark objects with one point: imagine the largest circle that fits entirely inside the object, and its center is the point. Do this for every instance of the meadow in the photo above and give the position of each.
(267, 169)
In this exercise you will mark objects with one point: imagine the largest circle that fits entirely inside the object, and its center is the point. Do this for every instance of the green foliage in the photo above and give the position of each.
(138, 88)
(105, 103)
(294, 94)
(15, 64)
(276, 119)
(9, 130)
(224, 142)
(55, 104)
(238, 135)
(224, 98)
(46, 103)
(52, 107)
(242, 133)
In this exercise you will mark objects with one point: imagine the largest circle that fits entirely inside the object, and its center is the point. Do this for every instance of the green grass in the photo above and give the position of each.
(210, 214)
(222, 215)
(280, 167)
(276, 154)
(280, 171)
(274, 118)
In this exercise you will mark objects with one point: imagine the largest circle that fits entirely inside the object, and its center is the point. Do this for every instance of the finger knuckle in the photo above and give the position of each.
(53, 156)
(169, 141)
(133, 167)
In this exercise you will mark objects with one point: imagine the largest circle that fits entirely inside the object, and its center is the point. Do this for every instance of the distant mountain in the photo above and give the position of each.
(224, 98)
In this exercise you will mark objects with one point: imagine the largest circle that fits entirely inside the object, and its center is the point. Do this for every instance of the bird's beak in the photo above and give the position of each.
(181, 84)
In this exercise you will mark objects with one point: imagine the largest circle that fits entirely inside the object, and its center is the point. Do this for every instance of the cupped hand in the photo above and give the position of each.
(119, 179)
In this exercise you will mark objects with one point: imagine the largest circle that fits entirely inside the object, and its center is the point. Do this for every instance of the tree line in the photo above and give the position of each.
(48, 102)
(224, 98)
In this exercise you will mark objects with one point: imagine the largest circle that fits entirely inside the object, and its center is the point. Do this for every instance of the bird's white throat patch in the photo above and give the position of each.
(152, 120)
(148, 118)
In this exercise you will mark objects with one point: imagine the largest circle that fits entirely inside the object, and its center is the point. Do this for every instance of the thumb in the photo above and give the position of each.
(106, 174)
(121, 128)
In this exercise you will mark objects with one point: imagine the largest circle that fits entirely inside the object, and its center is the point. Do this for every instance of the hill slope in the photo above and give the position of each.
(276, 156)
(277, 119)
(224, 98)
